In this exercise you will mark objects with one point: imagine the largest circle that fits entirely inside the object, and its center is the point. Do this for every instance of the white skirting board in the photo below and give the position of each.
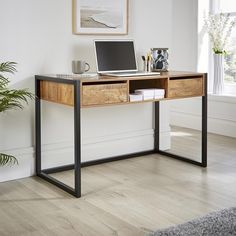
(221, 115)
(215, 125)
(92, 149)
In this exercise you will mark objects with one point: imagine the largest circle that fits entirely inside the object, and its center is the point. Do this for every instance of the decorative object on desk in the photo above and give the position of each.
(160, 59)
(100, 17)
(79, 67)
(147, 62)
(144, 63)
(219, 28)
(10, 99)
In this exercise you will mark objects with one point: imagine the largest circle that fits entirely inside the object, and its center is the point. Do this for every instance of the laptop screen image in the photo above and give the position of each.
(115, 56)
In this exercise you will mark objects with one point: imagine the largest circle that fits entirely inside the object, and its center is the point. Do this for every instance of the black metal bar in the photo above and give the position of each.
(59, 169)
(204, 124)
(157, 126)
(56, 79)
(77, 139)
(57, 183)
(180, 158)
(116, 158)
(97, 162)
(37, 126)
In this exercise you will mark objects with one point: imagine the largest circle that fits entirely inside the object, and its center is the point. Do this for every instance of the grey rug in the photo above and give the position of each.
(219, 223)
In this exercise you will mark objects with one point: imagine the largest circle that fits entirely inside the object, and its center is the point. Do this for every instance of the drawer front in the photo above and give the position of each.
(57, 92)
(104, 94)
(66, 94)
(187, 87)
(48, 91)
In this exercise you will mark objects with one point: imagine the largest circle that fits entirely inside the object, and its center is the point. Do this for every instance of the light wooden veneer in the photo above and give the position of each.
(185, 87)
(105, 90)
(57, 92)
(99, 94)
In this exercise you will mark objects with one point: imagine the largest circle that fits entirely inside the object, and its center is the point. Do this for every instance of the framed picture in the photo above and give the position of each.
(100, 17)
(160, 59)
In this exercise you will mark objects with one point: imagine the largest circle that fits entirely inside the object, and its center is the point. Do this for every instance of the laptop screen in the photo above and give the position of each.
(115, 56)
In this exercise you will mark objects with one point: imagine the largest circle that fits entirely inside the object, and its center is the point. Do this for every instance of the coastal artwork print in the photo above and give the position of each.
(100, 16)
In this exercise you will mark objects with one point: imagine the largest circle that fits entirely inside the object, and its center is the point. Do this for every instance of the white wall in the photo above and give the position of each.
(190, 41)
(184, 38)
(38, 35)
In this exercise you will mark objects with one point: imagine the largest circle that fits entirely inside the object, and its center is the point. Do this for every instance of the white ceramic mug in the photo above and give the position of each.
(79, 67)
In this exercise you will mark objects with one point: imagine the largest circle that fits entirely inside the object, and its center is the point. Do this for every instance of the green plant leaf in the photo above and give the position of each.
(10, 99)
(8, 67)
(6, 159)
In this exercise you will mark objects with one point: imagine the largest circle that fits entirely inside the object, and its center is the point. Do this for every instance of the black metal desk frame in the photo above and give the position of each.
(76, 191)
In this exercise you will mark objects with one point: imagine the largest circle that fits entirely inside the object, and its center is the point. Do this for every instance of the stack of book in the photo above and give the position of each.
(149, 94)
(159, 93)
(135, 97)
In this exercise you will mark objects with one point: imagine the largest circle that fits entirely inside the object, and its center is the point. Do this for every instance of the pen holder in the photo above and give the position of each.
(149, 66)
(145, 65)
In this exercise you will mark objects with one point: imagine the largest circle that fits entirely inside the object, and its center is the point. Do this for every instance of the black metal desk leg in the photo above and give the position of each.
(77, 139)
(204, 124)
(37, 127)
(157, 127)
(45, 173)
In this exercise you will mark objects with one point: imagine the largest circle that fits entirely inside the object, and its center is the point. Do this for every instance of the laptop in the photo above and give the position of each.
(117, 58)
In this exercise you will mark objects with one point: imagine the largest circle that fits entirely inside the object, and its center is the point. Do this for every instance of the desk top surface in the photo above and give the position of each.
(85, 78)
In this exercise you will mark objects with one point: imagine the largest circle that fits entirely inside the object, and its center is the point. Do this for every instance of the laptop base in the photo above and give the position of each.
(131, 74)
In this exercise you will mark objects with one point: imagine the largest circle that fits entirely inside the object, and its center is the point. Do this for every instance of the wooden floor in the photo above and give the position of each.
(130, 197)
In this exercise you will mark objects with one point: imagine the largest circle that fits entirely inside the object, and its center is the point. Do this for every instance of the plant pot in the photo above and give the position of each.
(218, 83)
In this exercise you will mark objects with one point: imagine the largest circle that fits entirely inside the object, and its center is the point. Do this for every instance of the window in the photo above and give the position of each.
(230, 60)
(228, 6)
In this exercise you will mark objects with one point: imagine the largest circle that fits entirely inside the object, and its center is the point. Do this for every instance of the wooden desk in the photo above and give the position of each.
(82, 92)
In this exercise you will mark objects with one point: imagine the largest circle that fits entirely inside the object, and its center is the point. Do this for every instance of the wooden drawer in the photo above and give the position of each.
(99, 94)
(185, 87)
(57, 92)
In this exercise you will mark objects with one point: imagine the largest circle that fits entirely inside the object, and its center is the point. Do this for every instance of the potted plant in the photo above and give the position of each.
(10, 99)
(219, 28)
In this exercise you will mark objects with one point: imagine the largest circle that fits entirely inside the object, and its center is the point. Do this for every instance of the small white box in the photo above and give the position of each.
(159, 97)
(146, 93)
(135, 97)
(152, 93)
(159, 93)
(145, 97)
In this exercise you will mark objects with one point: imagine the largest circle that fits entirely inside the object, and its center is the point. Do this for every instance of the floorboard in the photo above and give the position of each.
(130, 197)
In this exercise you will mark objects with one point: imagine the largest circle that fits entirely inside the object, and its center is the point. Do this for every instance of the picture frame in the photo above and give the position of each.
(104, 17)
(160, 58)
